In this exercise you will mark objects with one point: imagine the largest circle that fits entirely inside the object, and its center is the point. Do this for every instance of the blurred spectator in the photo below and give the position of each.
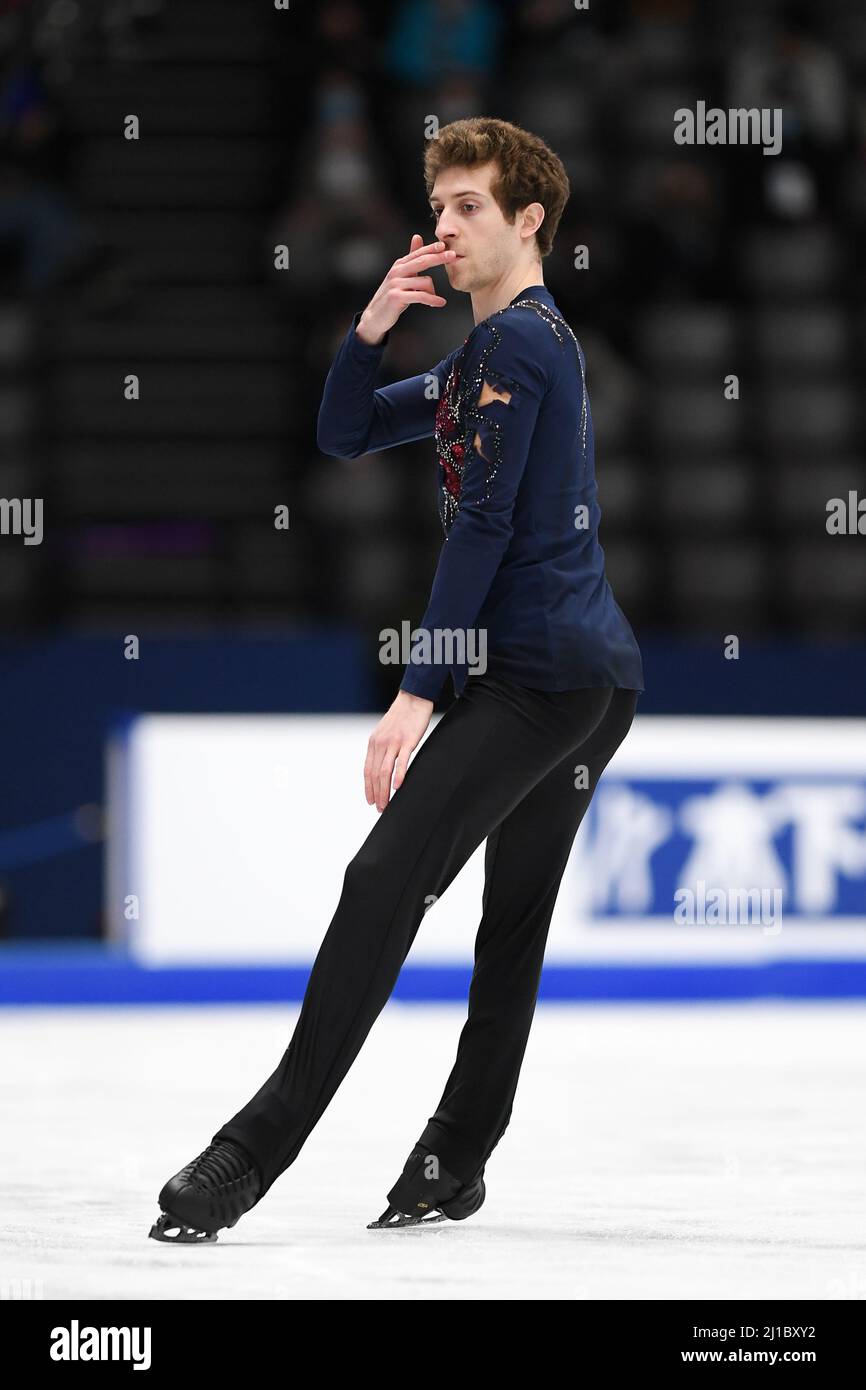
(789, 67)
(53, 244)
(432, 39)
(677, 243)
(340, 224)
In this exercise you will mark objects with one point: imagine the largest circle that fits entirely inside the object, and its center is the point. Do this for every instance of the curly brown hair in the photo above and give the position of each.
(529, 171)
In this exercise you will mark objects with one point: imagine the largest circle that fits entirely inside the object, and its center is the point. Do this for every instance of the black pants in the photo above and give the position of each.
(503, 763)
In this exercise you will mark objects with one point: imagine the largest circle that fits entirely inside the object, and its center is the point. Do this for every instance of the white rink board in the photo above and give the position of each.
(233, 833)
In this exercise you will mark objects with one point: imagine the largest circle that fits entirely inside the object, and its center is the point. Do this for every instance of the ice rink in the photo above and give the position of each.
(687, 1151)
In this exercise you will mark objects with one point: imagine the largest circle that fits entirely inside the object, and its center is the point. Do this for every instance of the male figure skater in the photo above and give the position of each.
(516, 758)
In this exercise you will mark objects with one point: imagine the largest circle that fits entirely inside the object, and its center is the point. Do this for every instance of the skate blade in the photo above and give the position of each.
(394, 1220)
(185, 1235)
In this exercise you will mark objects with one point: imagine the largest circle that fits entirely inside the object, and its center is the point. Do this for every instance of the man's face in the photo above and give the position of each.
(470, 222)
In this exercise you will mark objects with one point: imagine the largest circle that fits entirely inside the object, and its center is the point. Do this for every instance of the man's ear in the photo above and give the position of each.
(533, 216)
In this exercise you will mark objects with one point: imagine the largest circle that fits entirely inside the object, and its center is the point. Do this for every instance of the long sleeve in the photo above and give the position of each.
(355, 418)
(495, 435)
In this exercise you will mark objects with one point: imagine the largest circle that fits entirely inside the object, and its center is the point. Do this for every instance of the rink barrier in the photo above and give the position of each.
(94, 974)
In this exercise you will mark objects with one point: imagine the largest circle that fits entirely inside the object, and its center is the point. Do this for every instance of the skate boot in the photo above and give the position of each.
(213, 1191)
(419, 1200)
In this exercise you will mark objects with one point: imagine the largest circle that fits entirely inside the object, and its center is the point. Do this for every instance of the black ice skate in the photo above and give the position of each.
(417, 1199)
(211, 1192)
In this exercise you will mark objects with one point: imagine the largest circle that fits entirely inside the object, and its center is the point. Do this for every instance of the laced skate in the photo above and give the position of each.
(212, 1192)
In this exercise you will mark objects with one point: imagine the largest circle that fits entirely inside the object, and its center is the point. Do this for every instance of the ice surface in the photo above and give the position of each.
(682, 1151)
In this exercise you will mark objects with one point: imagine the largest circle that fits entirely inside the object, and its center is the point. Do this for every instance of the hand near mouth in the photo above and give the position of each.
(404, 285)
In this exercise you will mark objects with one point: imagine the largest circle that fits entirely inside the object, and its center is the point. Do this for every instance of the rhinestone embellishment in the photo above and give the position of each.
(458, 418)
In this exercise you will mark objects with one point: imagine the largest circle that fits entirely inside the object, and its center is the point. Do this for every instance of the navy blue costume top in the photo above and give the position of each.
(521, 558)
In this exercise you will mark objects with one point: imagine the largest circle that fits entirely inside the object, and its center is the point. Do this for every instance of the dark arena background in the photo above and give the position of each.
(195, 198)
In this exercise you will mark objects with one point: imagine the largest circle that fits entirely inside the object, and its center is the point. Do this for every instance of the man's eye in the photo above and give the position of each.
(469, 205)
(434, 214)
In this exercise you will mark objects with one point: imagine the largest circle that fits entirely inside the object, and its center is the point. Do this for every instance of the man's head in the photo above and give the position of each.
(497, 193)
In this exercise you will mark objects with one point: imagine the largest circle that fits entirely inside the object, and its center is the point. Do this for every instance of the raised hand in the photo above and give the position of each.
(404, 285)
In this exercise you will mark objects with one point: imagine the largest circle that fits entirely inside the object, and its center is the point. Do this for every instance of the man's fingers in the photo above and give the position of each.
(384, 778)
(377, 773)
(371, 779)
(411, 264)
(423, 246)
(406, 269)
(400, 766)
(432, 254)
(414, 282)
(368, 778)
(372, 768)
(419, 297)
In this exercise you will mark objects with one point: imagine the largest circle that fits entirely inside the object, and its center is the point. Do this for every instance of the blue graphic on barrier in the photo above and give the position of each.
(800, 838)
